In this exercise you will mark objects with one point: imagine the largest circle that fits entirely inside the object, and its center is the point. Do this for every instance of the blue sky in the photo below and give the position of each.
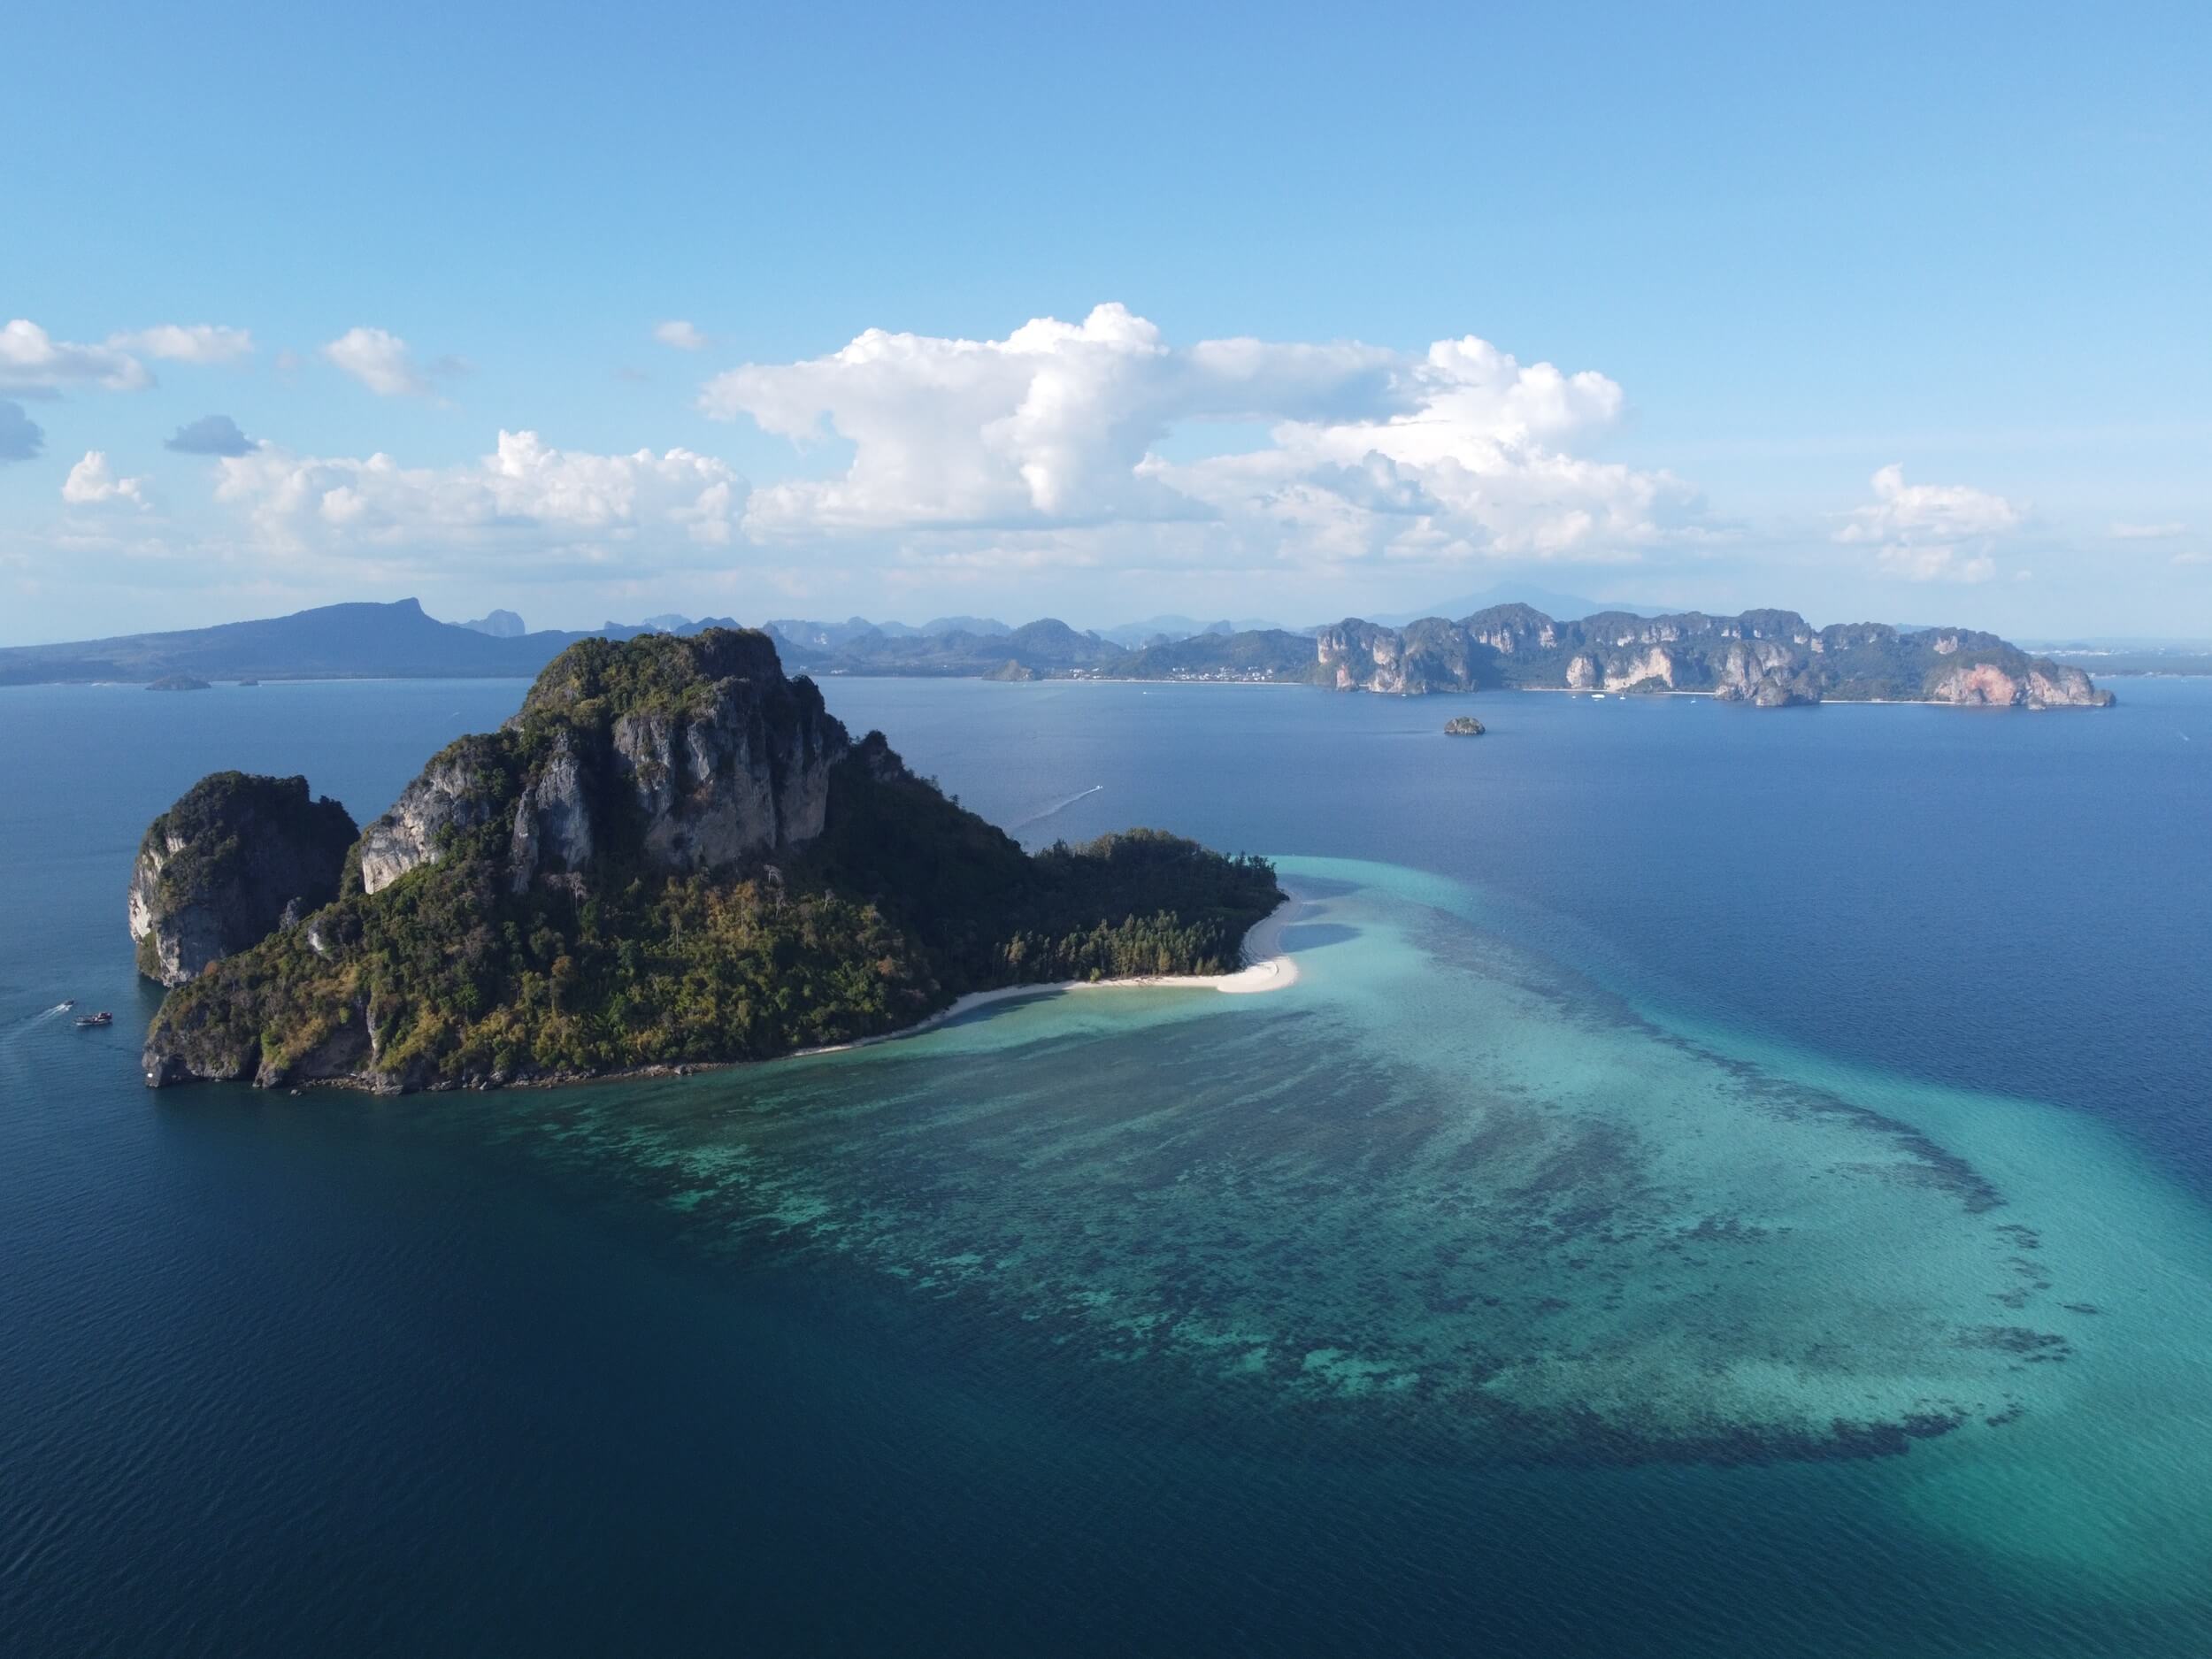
(1890, 312)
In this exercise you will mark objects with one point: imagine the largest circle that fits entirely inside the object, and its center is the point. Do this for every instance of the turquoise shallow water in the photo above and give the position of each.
(1442, 1200)
(1605, 1246)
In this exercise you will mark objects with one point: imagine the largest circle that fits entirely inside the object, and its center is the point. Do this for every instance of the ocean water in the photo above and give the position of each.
(1724, 1182)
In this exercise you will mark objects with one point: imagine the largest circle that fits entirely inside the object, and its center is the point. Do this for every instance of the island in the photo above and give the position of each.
(1765, 659)
(672, 856)
(1463, 726)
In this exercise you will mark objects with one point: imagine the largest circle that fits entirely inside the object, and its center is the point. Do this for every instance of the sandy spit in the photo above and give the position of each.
(1267, 968)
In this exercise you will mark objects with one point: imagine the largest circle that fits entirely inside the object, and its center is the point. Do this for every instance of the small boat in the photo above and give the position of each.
(101, 1019)
(68, 1003)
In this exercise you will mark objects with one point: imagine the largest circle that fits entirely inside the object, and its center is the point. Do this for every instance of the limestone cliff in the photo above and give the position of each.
(1358, 656)
(1768, 658)
(1430, 654)
(454, 793)
(695, 762)
(2039, 685)
(236, 856)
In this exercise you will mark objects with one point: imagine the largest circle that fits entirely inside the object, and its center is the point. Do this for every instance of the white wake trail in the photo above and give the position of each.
(1059, 806)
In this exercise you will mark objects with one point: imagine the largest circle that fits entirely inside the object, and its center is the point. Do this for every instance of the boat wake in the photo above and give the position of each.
(16, 1029)
(1058, 807)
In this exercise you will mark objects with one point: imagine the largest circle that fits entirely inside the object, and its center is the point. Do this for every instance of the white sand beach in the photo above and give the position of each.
(1267, 967)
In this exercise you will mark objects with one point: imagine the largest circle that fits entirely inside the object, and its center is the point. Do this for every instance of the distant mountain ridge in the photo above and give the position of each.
(361, 640)
(1769, 657)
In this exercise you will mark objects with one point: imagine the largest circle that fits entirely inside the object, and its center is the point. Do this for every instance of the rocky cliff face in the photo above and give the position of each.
(552, 823)
(1769, 658)
(690, 752)
(234, 858)
(1765, 673)
(456, 792)
(2039, 685)
(1358, 656)
(743, 775)
(1430, 654)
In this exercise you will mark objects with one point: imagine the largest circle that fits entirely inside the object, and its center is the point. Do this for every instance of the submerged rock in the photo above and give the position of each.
(236, 858)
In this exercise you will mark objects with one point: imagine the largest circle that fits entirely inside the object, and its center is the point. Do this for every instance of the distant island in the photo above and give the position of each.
(1463, 726)
(1767, 658)
(672, 854)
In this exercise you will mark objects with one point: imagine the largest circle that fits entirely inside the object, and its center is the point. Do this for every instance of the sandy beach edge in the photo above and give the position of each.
(1267, 967)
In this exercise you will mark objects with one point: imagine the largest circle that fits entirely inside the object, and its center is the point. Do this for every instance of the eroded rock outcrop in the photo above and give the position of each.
(2039, 685)
(1361, 657)
(1766, 674)
(695, 762)
(454, 793)
(552, 823)
(747, 772)
(237, 857)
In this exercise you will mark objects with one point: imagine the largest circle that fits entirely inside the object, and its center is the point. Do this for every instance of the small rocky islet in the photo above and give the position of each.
(672, 854)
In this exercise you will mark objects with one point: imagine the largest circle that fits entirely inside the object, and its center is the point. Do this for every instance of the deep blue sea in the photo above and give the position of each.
(1724, 1182)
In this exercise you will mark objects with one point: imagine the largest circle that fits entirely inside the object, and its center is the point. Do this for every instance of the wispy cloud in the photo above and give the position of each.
(1931, 531)
(188, 343)
(380, 361)
(680, 335)
(34, 363)
(527, 505)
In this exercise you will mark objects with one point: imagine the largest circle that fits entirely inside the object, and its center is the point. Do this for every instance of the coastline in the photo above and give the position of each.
(1268, 967)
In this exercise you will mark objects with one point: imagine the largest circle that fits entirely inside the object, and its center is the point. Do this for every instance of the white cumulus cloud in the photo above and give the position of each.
(527, 499)
(379, 360)
(93, 483)
(680, 335)
(1931, 532)
(1050, 443)
(33, 361)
